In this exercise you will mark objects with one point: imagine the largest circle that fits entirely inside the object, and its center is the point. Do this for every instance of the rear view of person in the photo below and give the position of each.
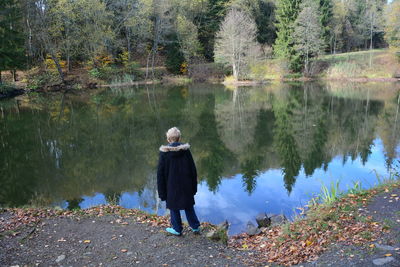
(177, 181)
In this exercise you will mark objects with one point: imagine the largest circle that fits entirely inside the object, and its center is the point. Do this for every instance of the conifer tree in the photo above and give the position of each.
(12, 52)
(326, 18)
(286, 14)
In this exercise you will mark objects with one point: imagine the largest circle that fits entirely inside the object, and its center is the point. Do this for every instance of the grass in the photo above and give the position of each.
(370, 64)
(378, 63)
(331, 194)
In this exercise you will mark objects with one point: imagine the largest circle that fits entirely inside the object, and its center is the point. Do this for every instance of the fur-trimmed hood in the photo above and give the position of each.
(174, 148)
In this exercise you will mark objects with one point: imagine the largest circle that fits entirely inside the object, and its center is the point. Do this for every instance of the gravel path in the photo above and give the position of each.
(384, 208)
(101, 241)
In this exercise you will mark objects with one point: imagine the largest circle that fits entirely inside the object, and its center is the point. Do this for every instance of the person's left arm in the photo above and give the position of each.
(161, 179)
(194, 173)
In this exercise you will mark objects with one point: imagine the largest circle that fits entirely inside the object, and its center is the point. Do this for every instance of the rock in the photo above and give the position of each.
(212, 234)
(223, 226)
(384, 247)
(382, 261)
(60, 258)
(251, 229)
(263, 220)
(277, 219)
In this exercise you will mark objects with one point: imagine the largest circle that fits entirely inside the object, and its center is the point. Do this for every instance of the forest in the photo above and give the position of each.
(198, 37)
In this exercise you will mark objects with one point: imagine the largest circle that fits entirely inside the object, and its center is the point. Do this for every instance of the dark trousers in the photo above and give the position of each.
(176, 220)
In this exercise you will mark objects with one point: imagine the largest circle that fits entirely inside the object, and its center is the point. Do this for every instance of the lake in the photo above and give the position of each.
(257, 149)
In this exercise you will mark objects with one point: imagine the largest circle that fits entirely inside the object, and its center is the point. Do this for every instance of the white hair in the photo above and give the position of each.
(173, 135)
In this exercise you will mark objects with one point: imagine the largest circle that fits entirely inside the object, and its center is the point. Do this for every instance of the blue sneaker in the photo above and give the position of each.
(172, 231)
(196, 231)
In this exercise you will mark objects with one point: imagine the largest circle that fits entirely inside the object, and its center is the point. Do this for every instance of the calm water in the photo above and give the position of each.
(257, 149)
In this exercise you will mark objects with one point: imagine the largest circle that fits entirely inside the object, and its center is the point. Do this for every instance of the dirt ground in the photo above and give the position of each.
(108, 241)
(114, 240)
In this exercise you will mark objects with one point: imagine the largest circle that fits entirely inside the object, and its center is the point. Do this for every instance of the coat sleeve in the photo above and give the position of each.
(194, 173)
(161, 179)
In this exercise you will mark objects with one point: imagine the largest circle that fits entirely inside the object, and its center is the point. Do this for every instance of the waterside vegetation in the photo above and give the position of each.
(59, 43)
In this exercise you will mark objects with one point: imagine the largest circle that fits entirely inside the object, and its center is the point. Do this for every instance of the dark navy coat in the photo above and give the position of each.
(176, 176)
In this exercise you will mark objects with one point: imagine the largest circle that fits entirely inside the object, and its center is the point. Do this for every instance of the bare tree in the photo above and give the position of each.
(308, 32)
(161, 27)
(236, 43)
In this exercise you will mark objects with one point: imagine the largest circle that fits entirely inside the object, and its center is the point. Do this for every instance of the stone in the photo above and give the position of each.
(277, 219)
(384, 247)
(251, 229)
(60, 258)
(212, 234)
(263, 220)
(382, 261)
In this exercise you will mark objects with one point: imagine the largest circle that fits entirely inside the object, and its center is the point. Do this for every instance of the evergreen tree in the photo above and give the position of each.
(286, 15)
(209, 25)
(326, 19)
(12, 51)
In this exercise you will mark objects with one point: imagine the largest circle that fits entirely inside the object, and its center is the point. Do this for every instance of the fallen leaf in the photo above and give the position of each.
(124, 250)
(86, 241)
(388, 255)
(372, 246)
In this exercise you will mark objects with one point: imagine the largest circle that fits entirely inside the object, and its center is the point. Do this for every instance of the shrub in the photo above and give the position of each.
(95, 73)
(38, 78)
(270, 69)
(206, 71)
(229, 79)
(5, 88)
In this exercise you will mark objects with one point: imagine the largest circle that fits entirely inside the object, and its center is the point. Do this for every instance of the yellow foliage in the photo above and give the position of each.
(184, 68)
(124, 58)
(102, 61)
(50, 65)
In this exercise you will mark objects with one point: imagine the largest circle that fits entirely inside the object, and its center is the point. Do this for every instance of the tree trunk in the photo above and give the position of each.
(68, 62)
(1, 81)
(128, 43)
(234, 71)
(54, 58)
(14, 74)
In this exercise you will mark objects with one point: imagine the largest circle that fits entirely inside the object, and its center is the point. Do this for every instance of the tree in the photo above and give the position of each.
(263, 13)
(326, 19)
(308, 32)
(162, 27)
(286, 15)
(12, 51)
(374, 21)
(187, 38)
(208, 23)
(236, 43)
(392, 26)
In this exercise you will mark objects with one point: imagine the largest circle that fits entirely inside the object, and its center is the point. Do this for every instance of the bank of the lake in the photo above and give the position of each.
(360, 228)
(379, 65)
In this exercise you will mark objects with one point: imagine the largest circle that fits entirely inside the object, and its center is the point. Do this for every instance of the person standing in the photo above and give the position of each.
(177, 182)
